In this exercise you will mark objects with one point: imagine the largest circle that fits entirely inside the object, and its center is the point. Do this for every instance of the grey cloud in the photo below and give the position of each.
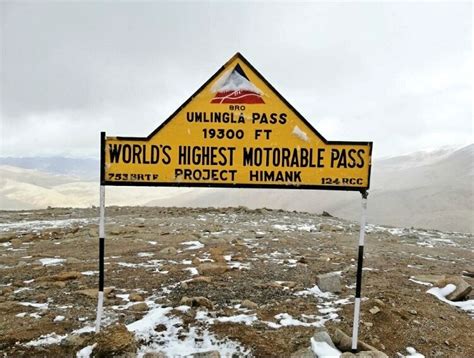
(126, 66)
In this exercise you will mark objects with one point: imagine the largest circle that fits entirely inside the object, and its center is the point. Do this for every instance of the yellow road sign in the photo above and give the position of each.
(236, 131)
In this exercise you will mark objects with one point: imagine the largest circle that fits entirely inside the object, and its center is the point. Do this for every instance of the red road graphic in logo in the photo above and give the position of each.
(235, 87)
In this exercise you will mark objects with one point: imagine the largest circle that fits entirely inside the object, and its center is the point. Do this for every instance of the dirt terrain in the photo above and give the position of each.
(233, 280)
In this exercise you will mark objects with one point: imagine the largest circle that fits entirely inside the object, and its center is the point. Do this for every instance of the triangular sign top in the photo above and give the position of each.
(236, 131)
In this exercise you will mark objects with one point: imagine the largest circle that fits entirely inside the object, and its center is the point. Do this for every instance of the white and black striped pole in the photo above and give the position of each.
(100, 296)
(360, 261)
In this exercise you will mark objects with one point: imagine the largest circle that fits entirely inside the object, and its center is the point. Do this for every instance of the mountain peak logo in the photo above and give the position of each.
(235, 87)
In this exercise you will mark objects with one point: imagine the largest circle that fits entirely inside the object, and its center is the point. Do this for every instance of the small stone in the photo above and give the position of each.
(329, 282)
(212, 268)
(413, 312)
(368, 324)
(41, 298)
(65, 276)
(374, 310)
(73, 341)
(59, 284)
(371, 354)
(73, 260)
(197, 302)
(249, 304)
(155, 355)
(302, 260)
(139, 307)
(6, 290)
(378, 302)
(201, 279)
(135, 297)
(168, 251)
(16, 243)
(93, 292)
(209, 354)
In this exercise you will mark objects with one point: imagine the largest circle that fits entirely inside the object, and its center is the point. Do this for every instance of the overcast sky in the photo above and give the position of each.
(399, 74)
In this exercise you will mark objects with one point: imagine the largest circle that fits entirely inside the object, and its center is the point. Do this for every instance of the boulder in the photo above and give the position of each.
(208, 268)
(114, 340)
(344, 343)
(462, 288)
(329, 282)
(197, 302)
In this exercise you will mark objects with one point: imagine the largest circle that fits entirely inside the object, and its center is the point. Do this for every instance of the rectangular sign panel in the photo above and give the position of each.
(236, 131)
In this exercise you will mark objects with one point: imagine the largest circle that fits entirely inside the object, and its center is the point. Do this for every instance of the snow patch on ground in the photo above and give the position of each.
(34, 304)
(441, 294)
(59, 319)
(145, 254)
(192, 270)
(316, 292)
(45, 340)
(193, 245)
(420, 282)
(412, 353)
(193, 341)
(90, 273)
(323, 350)
(51, 261)
(86, 351)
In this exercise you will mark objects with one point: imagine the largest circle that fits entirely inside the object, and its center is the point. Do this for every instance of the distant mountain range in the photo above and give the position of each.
(81, 168)
(430, 189)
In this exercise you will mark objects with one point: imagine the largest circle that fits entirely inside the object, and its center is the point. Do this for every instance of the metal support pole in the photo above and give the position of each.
(360, 261)
(100, 297)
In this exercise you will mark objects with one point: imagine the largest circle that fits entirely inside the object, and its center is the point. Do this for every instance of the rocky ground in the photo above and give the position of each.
(235, 281)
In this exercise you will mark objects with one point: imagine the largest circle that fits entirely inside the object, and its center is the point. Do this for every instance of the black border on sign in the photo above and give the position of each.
(238, 55)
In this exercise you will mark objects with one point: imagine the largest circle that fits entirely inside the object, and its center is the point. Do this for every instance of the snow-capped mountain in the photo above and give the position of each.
(235, 87)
